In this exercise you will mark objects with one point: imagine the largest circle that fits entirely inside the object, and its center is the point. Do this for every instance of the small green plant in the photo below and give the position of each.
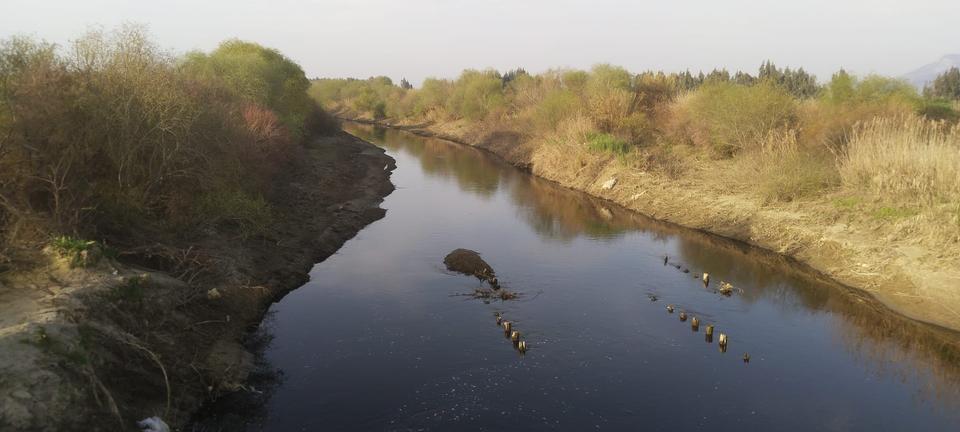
(846, 203)
(604, 142)
(81, 253)
(69, 245)
(893, 213)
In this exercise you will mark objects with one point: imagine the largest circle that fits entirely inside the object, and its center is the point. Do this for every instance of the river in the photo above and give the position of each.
(384, 338)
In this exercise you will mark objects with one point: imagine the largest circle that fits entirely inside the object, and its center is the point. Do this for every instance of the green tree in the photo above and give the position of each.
(260, 75)
(945, 86)
(798, 82)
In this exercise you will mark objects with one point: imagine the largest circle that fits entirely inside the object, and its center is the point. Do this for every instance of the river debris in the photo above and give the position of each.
(213, 294)
(513, 335)
(726, 288)
(153, 424)
(746, 357)
(469, 262)
(652, 297)
(490, 293)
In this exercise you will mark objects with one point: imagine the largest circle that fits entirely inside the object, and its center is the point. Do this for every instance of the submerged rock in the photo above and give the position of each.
(469, 262)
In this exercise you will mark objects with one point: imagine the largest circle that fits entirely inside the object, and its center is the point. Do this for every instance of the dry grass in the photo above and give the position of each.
(779, 170)
(906, 158)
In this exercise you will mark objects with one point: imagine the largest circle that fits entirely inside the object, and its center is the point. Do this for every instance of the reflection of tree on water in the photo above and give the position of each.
(473, 171)
(886, 341)
(558, 213)
(246, 408)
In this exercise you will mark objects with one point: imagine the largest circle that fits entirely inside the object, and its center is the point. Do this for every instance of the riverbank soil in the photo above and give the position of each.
(911, 264)
(159, 330)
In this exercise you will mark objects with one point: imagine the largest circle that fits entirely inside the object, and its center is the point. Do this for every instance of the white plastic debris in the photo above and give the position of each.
(153, 424)
(609, 184)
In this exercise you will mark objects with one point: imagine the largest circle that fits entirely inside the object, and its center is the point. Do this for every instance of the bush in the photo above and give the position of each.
(260, 75)
(730, 118)
(120, 136)
(476, 94)
(556, 106)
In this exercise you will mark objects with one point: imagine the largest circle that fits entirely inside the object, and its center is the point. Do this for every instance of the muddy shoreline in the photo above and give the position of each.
(830, 255)
(99, 348)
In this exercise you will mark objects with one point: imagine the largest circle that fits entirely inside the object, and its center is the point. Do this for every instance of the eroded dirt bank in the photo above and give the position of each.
(910, 272)
(157, 333)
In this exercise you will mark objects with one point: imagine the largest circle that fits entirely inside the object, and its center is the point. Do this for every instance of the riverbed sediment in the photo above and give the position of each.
(100, 347)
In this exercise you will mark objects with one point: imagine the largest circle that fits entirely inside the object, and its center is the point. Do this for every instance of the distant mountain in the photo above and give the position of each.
(928, 73)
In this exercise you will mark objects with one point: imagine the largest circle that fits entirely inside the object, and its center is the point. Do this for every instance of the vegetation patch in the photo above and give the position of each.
(606, 143)
(79, 252)
(893, 213)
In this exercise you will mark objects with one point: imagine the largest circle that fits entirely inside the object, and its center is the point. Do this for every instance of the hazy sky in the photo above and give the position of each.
(420, 38)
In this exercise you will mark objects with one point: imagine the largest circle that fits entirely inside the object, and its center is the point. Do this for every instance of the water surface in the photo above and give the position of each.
(382, 338)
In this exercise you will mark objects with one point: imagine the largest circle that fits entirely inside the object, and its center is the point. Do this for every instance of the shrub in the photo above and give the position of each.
(556, 106)
(939, 110)
(732, 117)
(260, 75)
(119, 136)
(476, 94)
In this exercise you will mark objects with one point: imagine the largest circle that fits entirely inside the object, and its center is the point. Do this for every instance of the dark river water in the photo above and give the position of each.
(384, 338)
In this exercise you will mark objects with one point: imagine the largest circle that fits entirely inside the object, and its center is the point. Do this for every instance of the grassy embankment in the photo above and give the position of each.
(858, 177)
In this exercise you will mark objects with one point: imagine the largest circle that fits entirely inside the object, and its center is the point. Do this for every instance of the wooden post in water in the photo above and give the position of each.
(683, 316)
(522, 346)
(670, 308)
(515, 336)
(694, 324)
(723, 342)
(506, 327)
(706, 278)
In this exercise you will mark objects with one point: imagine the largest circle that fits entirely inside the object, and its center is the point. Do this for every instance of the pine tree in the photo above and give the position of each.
(945, 86)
